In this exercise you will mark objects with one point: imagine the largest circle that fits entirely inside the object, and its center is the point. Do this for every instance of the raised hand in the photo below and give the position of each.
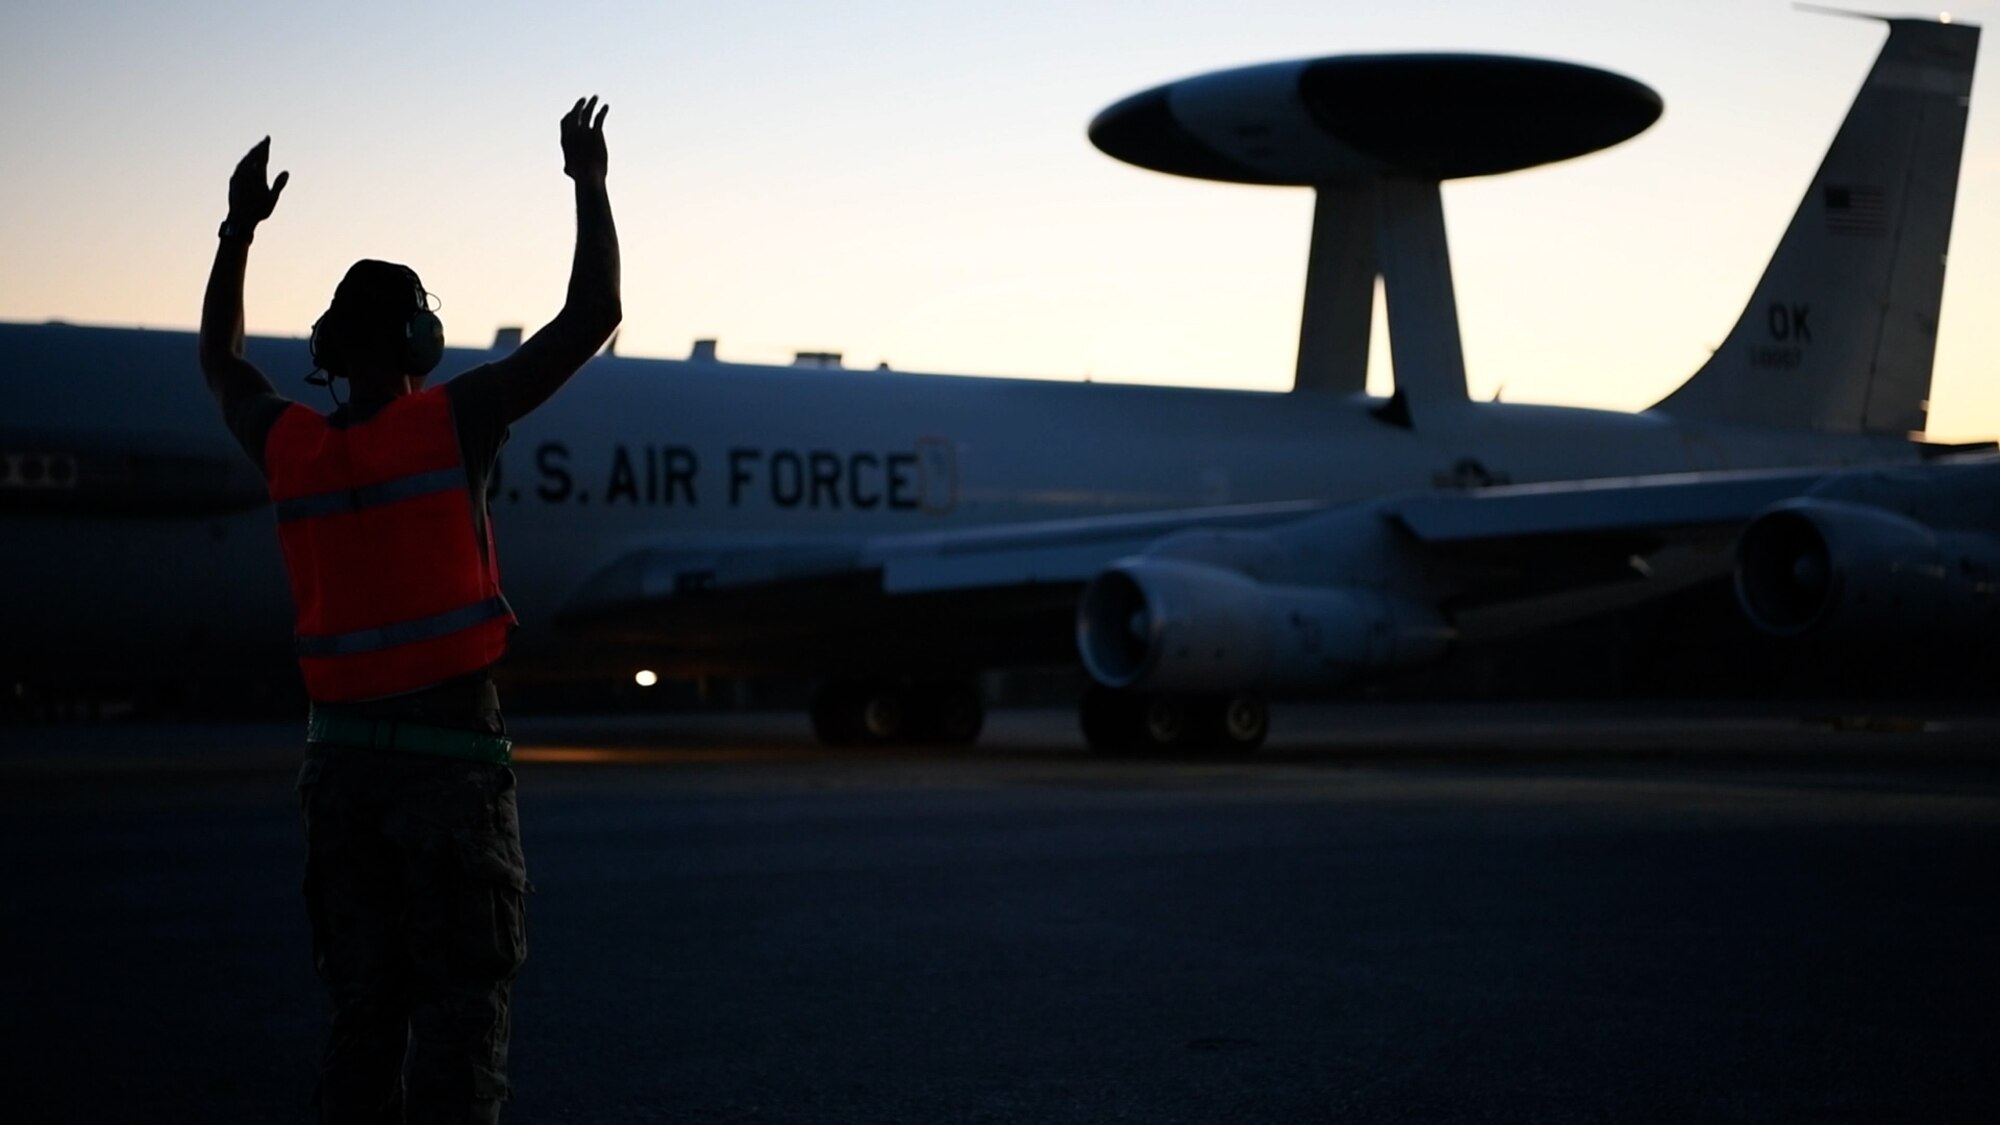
(250, 198)
(583, 140)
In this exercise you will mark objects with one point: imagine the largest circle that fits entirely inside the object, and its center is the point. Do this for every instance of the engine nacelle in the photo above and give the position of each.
(1154, 624)
(1820, 566)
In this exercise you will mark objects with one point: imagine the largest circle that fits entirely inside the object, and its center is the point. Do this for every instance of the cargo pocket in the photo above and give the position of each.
(493, 933)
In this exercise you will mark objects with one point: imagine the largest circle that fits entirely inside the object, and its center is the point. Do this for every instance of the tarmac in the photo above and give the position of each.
(1533, 913)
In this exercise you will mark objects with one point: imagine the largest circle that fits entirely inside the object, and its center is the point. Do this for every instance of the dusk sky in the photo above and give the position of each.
(911, 182)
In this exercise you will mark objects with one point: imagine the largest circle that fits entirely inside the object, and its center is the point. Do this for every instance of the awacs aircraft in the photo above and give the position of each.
(893, 534)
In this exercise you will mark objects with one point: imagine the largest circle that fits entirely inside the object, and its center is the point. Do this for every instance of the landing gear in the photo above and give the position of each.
(1242, 724)
(883, 712)
(1125, 722)
(952, 713)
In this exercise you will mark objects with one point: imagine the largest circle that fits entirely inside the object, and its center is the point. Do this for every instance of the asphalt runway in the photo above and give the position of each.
(1533, 914)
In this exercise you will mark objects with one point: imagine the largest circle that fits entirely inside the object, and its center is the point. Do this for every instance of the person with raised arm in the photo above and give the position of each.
(414, 873)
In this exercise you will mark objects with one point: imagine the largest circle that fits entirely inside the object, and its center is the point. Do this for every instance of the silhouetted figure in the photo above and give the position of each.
(414, 872)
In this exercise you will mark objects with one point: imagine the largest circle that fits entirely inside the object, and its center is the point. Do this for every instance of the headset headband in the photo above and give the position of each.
(368, 294)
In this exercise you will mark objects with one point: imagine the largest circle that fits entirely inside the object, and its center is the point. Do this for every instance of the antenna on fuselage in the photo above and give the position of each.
(1375, 136)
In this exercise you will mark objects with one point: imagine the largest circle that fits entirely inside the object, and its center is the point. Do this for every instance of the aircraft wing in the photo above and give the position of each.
(1665, 506)
(1055, 551)
(1594, 522)
(1548, 553)
(1065, 551)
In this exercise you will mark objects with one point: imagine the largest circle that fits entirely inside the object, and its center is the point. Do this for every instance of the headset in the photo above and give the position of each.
(422, 335)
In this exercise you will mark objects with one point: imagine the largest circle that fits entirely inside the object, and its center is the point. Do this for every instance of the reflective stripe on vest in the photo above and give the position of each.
(405, 632)
(370, 496)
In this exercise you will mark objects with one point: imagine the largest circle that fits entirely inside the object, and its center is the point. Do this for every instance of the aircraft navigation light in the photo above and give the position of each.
(645, 678)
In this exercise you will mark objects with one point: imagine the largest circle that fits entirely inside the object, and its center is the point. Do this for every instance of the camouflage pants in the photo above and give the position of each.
(414, 885)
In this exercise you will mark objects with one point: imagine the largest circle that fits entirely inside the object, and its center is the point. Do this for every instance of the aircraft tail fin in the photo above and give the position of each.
(1841, 330)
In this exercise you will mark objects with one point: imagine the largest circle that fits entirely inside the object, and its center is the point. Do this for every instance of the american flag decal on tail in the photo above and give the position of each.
(1856, 210)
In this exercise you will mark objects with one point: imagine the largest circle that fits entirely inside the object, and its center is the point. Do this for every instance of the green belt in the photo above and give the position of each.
(388, 734)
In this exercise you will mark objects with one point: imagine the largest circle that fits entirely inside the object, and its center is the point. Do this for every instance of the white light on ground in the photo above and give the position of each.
(645, 678)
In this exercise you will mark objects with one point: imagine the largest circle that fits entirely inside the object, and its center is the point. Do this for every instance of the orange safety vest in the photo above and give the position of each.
(395, 589)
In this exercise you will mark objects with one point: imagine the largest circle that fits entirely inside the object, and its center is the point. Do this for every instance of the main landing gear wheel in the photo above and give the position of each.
(1126, 722)
(884, 712)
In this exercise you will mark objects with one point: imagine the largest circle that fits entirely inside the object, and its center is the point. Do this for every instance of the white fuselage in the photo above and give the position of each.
(639, 453)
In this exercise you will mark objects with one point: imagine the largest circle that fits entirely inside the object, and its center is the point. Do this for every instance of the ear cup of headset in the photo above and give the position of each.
(423, 342)
(365, 303)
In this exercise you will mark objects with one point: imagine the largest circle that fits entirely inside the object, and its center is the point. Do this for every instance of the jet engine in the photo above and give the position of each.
(1164, 625)
(1813, 566)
